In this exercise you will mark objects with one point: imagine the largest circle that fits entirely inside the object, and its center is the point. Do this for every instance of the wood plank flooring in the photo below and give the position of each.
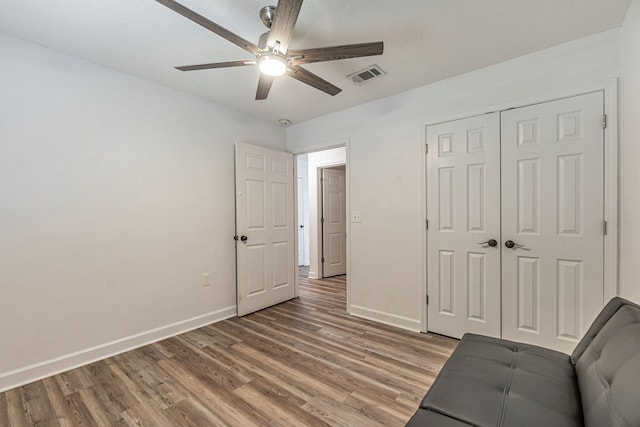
(301, 363)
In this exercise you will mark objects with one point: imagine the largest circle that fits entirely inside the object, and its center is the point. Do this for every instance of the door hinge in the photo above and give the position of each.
(322, 220)
(427, 299)
(427, 224)
(604, 121)
(426, 148)
(604, 227)
(323, 259)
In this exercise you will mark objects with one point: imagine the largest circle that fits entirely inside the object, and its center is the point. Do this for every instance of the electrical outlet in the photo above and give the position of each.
(356, 216)
(206, 279)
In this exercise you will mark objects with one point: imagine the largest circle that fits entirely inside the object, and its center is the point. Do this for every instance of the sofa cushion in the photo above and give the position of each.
(491, 382)
(608, 367)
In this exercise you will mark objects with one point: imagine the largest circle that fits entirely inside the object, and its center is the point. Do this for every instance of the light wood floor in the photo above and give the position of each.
(304, 362)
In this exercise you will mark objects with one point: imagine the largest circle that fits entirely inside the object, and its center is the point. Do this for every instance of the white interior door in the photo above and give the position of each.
(553, 210)
(463, 207)
(334, 222)
(301, 242)
(264, 227)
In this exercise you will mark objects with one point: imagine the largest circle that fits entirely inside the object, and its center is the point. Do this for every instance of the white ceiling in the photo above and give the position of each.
(425, 41)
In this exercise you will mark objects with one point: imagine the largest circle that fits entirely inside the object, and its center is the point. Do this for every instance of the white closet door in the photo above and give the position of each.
(463, 208)
(552, 209)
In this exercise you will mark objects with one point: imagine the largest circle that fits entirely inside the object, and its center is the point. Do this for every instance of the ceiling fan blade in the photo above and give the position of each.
(264, 86)
(313, 80)
(215, 65)
(211, 26)
(282, 27)
(306, 56)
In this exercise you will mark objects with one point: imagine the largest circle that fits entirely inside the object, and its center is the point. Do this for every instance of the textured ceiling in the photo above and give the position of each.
(425, 41)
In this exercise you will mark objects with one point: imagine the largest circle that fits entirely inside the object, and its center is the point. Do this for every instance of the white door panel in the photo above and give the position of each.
(334, 222)
(463, 207)
(265, 225)
(552, 205)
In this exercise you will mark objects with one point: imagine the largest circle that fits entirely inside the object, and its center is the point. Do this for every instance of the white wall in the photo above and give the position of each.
(630, 154)
(317, 161)
(116, 195)
(386, 163)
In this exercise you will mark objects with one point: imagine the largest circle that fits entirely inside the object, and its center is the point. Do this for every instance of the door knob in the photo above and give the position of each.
(244, 239)
(491, 242)
(301, 226)
(511, 244)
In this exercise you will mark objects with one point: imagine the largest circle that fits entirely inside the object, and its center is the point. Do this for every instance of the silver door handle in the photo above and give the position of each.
(513, 245)
(491, 242)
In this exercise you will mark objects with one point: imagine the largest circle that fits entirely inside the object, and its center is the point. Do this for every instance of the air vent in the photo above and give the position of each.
(366, 74)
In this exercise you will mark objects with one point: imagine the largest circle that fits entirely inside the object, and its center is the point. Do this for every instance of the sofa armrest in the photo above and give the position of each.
(607, 312)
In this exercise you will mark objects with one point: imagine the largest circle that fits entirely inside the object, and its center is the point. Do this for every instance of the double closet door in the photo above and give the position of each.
(515, 203)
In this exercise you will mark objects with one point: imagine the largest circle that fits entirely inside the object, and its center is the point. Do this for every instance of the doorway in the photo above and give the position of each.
(310, 207)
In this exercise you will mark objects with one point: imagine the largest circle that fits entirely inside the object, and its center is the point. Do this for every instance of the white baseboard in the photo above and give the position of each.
(385, 318)
(47, 368)
(313, 275)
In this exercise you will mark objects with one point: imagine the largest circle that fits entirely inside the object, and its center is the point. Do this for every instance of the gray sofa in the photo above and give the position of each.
(493, 382)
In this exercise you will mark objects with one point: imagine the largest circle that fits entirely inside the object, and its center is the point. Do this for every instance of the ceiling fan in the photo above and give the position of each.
(272, 54)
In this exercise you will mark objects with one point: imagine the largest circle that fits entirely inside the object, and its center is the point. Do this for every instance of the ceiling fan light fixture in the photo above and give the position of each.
(272, 64)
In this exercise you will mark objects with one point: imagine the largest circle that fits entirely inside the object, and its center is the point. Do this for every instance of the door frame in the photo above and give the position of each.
(611, 195)
(342, 142)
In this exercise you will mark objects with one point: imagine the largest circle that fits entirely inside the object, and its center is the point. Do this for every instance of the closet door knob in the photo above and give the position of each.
(491, 242)
(511, 244)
